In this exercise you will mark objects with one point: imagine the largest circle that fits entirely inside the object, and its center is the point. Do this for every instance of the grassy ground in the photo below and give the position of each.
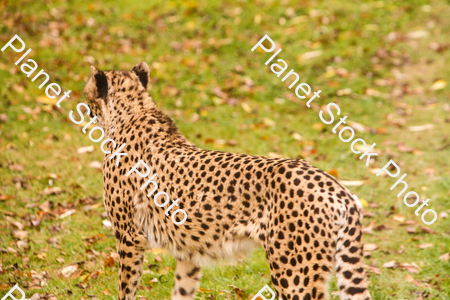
(391, 55)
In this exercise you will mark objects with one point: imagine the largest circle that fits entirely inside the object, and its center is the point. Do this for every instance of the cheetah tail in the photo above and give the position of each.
(350, 273)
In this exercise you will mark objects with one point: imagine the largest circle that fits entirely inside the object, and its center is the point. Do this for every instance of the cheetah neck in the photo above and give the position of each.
(144, 114)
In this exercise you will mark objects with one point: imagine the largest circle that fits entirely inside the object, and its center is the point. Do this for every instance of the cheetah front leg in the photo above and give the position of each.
(131, 252)
(187, 280)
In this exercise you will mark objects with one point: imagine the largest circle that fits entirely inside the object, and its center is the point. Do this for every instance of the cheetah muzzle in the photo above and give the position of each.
(307, 222)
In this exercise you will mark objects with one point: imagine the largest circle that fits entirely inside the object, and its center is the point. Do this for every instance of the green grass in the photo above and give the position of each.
(193, 48)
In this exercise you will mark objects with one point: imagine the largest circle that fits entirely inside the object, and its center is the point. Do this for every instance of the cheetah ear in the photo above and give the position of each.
(101, 84)
(143, 72)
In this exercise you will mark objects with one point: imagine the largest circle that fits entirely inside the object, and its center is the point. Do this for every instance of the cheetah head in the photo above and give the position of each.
(109, 93)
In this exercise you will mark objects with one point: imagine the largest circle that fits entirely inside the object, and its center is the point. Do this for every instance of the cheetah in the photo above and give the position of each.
(306, 221)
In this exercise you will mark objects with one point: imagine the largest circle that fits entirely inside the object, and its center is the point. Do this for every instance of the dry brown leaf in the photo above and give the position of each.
(67, 213)
(11, 250)
(107, 292)
(424, 246)
(358, 127)
(20, 234)
(52, 241)
(368, 214)
(420, 127)
(95, 164)
(109, 262)
(52, 191)
(68, 271)
(427, 230)
(19, 225)
(376, 170)
(409, 278)
(370, 247)
(42, 256)
(94, 275)
(83, 150)
(22, 244)
(374, 205)
(443, 215)
(382, 227)
(445, 257)
(389, 264)
(107, 223)
(352, 182)
(374, 269)
(402, 148)
(16, 167)
(411, 229)
(399, 218)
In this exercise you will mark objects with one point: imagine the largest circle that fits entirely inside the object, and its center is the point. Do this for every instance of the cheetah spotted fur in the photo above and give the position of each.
(307, 222)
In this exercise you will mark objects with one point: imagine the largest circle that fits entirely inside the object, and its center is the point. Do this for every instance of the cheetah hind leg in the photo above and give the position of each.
(187, 280)
(350, 273)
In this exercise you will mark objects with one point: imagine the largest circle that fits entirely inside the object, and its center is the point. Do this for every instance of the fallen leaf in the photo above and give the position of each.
(20, 234)
(246, 107)
(443, 215)
(107, 223)
(438, 85)
(94, 275)
(22, 244)
(409, 278)
(83, 150)
(382, 227)
(368, 214)
(96, 164)
(364, 148)
(376, 170)
(67, 213)
(427, 230)
(344, 92)
(352, 182)
(42, 256)
(364, 202)
(399, 218)
(420, 127)
(389, 264)
(445, 257)
(269, 122)
(311, 54)
(374, 269)
(333, 172)
(109, 262)
(317, 126)
(67, 271)
(370, 247)
(107, 292)
(52, 191)
(16, 167)
(19, 225)
(418, 34)
(46, 100)
(424, 246)
(411, 229)
(11, 250)
(52, 241)
(358, 127)
(402, 148)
